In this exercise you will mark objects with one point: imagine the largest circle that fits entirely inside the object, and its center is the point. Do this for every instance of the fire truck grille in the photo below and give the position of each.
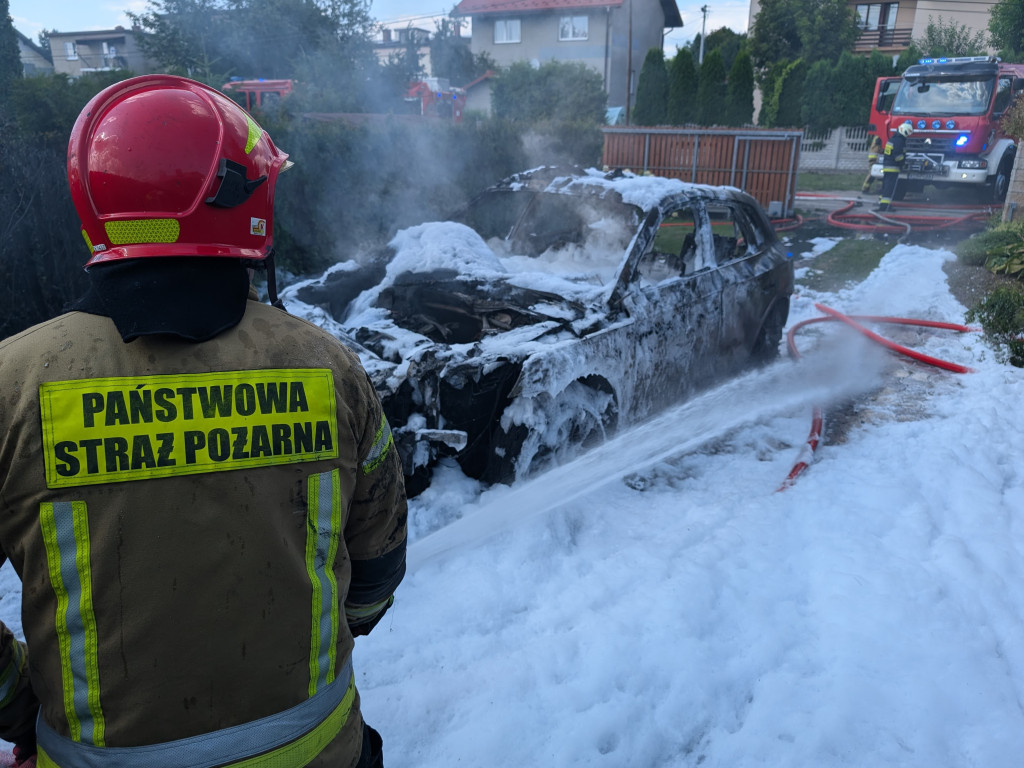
(930, 146)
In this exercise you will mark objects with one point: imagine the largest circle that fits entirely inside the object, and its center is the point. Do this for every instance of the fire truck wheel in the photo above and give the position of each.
(999, 184)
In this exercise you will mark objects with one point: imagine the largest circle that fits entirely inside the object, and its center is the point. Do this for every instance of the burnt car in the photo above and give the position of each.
(554, 309)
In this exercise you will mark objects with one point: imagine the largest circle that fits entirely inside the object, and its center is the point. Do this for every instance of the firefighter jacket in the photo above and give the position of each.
(199, 529)
(895, 152)
(874, 147)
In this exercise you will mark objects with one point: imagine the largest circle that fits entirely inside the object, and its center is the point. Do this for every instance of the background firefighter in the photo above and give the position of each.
(199, 491)
(892, 162)
(874, 148)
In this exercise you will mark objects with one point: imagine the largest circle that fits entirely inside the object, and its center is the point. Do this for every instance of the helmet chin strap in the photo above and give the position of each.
(275, 300)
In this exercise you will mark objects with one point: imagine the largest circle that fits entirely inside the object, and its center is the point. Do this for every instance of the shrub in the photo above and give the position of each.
(1001, 314)
(1000, 249)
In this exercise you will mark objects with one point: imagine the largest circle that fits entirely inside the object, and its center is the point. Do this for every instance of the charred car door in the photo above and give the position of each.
(674, 298)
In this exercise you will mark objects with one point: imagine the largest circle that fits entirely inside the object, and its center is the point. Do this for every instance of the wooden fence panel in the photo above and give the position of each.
(763, 163)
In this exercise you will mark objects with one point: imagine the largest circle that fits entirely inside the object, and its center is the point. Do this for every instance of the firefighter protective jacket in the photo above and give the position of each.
(895, 152)
(196, 528)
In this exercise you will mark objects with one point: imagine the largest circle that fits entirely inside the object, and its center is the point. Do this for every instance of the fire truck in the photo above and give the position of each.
(435, 97)
(954, 105)
(258, 93)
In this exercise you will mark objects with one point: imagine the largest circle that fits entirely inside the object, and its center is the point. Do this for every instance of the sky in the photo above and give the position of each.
(32, 16)
(658, 602)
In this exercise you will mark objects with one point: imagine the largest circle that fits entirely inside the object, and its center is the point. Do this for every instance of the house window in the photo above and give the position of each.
(877, 16)
(507, 31)
(573, 27)
(70, 51)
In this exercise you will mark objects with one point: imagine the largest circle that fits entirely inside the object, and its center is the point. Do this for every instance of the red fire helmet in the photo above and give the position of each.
(160, 165)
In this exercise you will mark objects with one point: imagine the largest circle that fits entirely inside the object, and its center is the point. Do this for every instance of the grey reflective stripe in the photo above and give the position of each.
(323, 533)
(379, 449)
(65, 529)
(208, 750)
(11, 676)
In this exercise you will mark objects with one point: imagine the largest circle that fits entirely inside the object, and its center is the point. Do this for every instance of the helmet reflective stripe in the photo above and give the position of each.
(255, 133)
(142, 231)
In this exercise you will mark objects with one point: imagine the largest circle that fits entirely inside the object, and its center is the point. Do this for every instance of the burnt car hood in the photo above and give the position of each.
(442, 288)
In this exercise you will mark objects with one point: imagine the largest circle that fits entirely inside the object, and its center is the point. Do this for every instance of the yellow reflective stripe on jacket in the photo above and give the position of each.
(382, 441)
(323, 532)
(65, 528)
(11, 675)
(289, 739)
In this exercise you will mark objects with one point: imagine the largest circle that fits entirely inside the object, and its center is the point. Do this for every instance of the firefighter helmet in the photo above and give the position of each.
(905, 129)
(160, 165)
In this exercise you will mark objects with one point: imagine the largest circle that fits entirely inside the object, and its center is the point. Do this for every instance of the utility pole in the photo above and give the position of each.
(703, 25)
(629, 62)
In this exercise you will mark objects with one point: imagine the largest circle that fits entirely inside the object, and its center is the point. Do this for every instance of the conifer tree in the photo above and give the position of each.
(652, 90)
(682, 89)
(711, 94)
(10, 56)
(741, 90)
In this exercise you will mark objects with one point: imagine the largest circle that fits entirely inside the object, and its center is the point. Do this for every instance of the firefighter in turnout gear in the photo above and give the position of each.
(892, 161)
(199, 491)
(874, 148)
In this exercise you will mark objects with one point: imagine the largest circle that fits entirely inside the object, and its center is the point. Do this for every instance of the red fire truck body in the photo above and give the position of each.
(259, 93)
(434, 97)
(954, 106)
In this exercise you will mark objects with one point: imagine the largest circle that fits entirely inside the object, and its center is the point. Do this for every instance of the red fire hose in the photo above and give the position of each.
(896, 223)
(806, 455)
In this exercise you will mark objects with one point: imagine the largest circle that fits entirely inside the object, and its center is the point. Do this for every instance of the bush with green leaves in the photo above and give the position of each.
(1000, 249)
(1001, 314)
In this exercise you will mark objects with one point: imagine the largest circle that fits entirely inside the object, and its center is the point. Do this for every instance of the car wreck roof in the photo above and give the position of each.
(645, 192)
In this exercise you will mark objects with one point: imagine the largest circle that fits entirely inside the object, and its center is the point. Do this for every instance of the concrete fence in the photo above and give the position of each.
(835, 149)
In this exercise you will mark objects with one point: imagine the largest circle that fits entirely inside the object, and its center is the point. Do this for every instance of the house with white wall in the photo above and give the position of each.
(612, 37)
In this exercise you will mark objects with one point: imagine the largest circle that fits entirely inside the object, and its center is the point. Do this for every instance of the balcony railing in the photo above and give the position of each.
(885, 39)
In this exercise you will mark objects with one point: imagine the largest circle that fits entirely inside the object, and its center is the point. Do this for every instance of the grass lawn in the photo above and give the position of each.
(828, 181)
(850, 261)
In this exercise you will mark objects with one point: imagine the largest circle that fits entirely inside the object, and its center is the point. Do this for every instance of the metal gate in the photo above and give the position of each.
(763, 163)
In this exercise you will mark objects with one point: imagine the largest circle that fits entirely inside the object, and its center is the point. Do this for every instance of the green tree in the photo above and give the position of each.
(1006, 27)
(10, 56)
(786, 30)
(725, 40)
(682, 89)
(908, 58)
(820, 97)
(711, 95)
(209, 39)
(651, 106)
(562, 103)
(947, 38)
(783, 106)
(741, 90)
(451, 58)
(45, 107)
(774, 39)
(827, 28)
(853, 87)
(557, 90)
